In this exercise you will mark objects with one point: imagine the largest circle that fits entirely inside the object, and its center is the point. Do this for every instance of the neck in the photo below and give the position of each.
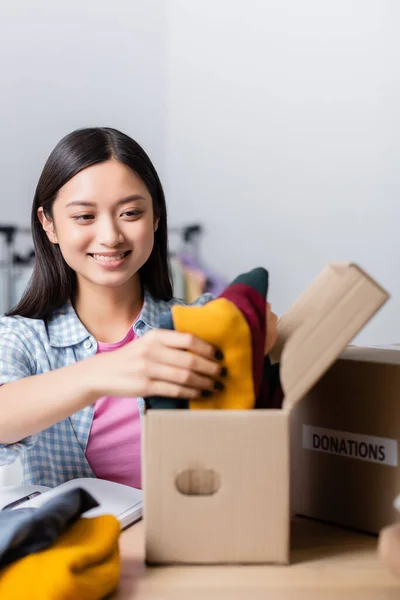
(108, 313)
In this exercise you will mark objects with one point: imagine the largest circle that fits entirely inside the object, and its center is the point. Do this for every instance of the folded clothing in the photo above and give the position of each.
(26, 530)
(235, 322)
(83, 564)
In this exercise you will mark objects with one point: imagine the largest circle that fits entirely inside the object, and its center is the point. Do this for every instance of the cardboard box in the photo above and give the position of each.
(345, 442)
(217, 483)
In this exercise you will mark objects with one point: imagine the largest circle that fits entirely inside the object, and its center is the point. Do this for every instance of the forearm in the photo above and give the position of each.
(32, 404)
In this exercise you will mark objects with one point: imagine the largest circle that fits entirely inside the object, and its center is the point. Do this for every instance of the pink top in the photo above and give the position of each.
(113, 448)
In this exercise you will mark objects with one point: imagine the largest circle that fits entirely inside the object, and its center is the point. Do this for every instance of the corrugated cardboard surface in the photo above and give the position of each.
(247, 519)
(355, 397)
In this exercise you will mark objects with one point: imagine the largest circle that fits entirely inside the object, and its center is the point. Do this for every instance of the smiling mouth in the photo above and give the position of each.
(110, 257)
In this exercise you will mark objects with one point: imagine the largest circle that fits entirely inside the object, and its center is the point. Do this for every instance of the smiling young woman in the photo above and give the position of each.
(82, 348)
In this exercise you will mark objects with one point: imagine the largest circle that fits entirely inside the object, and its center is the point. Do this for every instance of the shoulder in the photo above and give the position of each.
(201, 300)
(153, 309)
(20, 327)
(61, 329)
(20, 340)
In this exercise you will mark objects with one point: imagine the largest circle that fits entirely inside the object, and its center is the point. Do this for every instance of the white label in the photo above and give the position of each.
(351, 445)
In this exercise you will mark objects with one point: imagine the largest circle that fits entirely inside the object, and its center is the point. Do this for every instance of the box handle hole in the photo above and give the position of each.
(197, 482)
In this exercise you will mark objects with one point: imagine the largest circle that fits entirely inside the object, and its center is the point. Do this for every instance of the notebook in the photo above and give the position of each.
(122, 501)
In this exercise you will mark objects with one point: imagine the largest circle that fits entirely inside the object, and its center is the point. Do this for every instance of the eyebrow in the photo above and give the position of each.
(131, 198)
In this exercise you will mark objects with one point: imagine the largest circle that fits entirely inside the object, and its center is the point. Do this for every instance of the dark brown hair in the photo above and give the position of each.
(53, 282)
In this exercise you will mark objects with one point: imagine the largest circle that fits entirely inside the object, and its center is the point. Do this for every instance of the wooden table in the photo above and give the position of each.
(328, 563)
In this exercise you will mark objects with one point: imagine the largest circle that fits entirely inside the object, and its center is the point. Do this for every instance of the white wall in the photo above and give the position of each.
(74, 64)
(274, 122)
(283, 138)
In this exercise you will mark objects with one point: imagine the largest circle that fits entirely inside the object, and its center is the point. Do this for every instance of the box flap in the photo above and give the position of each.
(389, 354)
(315, 331)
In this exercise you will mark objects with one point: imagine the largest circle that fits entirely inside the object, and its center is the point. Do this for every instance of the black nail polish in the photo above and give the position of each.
(218, 355)
(219, 386)
(223, 372)
(206, 393)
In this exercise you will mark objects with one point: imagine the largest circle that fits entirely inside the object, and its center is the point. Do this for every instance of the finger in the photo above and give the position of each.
(186, 341)
(172, 390)
(272, 318)
(183, 377)
(186, 360)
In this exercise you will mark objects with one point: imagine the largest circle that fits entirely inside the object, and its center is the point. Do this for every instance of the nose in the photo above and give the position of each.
(110, 234)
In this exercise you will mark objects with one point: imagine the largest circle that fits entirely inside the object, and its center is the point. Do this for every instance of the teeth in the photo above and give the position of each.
(108, 258)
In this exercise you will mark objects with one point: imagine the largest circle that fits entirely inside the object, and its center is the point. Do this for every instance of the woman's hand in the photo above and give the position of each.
(271, 333)
(161, 363)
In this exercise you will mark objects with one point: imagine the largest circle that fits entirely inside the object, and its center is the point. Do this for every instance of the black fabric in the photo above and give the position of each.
(27, 530)
(256, 279)
(271, 393)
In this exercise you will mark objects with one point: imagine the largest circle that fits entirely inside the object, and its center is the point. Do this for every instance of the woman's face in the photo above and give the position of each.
(104, 224)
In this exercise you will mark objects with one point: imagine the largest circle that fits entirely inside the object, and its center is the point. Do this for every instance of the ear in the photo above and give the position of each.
(48, 225)
(156, 222)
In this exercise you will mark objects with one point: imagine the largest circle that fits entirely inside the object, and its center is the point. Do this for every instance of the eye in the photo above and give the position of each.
(83, 217)
(131, 214)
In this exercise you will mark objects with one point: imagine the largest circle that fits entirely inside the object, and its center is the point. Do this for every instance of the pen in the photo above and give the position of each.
(20, 501)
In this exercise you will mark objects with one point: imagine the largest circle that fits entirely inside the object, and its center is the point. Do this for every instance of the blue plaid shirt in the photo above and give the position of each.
(33, 346)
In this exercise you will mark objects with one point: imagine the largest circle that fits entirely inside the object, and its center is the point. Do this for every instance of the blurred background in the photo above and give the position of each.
(272, 123)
